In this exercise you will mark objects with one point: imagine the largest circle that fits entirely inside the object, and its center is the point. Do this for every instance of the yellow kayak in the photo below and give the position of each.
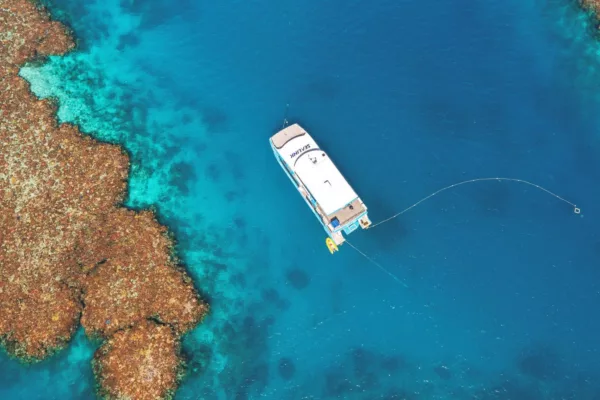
(331, 245)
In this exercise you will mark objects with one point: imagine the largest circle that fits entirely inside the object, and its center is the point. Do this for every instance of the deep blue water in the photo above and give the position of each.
(500, 281)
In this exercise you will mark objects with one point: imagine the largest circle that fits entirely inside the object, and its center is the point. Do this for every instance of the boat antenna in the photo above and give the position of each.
(285, 121)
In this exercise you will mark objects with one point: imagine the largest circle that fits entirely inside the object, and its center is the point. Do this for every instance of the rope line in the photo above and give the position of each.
(576, 210)
(394, 277)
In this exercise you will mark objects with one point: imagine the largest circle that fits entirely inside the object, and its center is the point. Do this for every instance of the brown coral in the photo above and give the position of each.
(137, 281)
(152, 350)
(66, 248)
(593, 5)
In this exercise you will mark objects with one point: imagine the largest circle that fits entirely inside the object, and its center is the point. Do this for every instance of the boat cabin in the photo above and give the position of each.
(321, 184)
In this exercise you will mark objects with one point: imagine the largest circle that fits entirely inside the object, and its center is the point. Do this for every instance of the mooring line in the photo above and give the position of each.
(576, 210)
(377, 265)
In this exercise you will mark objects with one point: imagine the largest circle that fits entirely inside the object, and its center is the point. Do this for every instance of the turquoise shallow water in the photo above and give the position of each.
(500, 281)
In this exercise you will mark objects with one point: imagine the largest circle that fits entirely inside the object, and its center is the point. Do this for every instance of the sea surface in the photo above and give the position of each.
(497, 284)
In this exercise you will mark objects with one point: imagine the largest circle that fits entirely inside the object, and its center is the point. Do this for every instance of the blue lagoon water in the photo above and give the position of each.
(498, 282)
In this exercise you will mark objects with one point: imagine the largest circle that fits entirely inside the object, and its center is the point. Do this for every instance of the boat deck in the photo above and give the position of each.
(349, 212)
(285, 135)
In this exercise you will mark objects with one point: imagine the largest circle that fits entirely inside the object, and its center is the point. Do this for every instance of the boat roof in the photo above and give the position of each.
(285, 135)
(314, 168)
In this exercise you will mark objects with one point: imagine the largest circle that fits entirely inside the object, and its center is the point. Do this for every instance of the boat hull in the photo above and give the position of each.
(339, 210)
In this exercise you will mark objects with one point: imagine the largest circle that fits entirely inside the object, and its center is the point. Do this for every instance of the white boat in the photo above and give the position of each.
(333, 201)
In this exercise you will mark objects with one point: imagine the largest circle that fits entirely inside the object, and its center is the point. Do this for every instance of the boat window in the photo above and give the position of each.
(286, 166)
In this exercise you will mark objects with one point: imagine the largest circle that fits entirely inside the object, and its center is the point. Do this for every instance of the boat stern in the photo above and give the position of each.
(336, 232)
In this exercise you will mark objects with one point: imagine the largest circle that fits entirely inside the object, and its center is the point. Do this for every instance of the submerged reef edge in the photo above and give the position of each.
(70, 253)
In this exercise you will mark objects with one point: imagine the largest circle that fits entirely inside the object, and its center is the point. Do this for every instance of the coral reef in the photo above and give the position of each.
(540, 362)
(297, 278)
(363, 372)
(138, 280)
(68, 252)
(154, 351)
(286, 368)
(509, 389)
(591, 4)
(443, 372)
